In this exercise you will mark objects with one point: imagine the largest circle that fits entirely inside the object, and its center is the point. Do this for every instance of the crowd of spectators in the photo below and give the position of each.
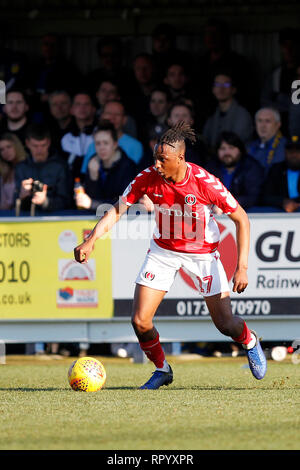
(59, 126)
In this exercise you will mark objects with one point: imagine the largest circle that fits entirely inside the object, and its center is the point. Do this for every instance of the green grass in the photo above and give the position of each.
(212, 404)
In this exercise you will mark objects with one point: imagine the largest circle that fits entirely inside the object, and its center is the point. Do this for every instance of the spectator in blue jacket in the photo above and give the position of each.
(241, 174)
(109, 170)
(269, 148)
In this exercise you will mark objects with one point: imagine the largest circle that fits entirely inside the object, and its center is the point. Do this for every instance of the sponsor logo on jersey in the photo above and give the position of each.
(149, 276)
(190, 199)
(178, 212)
(157, 195)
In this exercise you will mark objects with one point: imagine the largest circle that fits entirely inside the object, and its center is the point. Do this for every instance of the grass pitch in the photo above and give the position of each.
(212, 404)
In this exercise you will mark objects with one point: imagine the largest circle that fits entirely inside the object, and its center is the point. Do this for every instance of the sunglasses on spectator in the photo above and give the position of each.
(223, 85)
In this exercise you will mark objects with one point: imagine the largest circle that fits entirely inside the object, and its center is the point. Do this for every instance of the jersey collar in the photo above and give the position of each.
(184, 181)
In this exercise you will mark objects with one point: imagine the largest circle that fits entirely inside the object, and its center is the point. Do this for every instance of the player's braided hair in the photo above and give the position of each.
(178, 133)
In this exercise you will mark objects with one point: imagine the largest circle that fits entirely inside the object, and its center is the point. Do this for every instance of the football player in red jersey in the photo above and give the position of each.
(186, 236)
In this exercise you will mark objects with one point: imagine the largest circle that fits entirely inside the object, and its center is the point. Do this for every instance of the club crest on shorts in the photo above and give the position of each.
(190, 199)
(149, 276)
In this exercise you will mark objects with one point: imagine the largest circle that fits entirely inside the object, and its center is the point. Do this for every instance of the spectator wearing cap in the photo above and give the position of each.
(16, 114)
(76, 142)
(241, 174)
(282, 187)
(229, 114)
(109, 170)
(269, 148)
(114, 111)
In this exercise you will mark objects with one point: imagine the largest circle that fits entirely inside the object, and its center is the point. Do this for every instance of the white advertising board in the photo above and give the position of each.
(274, 268)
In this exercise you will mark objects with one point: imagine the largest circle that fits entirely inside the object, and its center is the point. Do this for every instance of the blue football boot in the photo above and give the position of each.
(158, 379)
(257, 359)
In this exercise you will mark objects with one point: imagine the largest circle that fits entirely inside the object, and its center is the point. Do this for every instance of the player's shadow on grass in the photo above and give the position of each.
(120, 388)
(194, 388)
(30, 389)
(202, 388)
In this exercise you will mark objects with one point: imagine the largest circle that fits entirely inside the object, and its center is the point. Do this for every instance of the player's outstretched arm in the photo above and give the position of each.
(82, 252)
(242, 224)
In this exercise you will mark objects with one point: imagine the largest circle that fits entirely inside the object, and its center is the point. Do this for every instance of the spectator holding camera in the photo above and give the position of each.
(42, 178)
(241, 174)
(11, 153)
(109, 170)
(282, 187)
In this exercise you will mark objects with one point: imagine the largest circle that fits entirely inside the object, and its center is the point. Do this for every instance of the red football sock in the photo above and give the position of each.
(245, 337)
(154, 351)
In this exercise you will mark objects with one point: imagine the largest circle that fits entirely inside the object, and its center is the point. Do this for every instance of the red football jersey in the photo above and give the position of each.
(183, 211)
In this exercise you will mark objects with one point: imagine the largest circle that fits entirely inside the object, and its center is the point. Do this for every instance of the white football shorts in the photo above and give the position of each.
(161, 266)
